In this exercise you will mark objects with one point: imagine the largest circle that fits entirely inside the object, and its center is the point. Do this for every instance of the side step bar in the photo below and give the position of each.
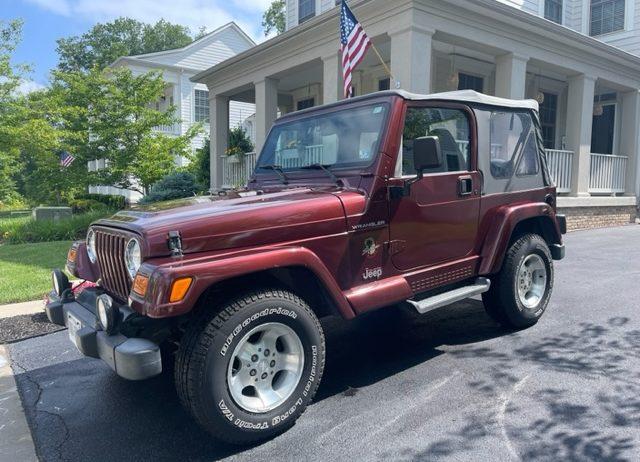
(481, 285)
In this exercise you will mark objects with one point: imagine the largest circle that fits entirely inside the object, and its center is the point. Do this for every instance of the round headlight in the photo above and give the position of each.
(106, 313)
(91, 246)
(133, 257)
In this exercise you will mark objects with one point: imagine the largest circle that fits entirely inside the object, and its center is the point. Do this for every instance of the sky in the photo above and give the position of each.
(47, 20)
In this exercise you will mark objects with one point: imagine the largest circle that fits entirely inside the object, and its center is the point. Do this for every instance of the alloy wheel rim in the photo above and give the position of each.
(265, 367)
(531, 281)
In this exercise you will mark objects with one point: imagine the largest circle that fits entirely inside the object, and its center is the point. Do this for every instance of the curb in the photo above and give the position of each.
(16, 443)
(17, 309)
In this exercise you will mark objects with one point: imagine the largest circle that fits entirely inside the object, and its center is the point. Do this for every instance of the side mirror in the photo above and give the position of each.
(427, 154)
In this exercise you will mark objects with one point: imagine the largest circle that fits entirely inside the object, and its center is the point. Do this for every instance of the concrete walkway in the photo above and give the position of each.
(17, 309)
(16, 443)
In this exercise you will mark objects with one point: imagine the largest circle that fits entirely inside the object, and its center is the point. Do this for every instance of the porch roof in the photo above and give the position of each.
(557, 38)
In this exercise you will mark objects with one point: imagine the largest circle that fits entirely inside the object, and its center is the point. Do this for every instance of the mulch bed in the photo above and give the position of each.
(25, 326)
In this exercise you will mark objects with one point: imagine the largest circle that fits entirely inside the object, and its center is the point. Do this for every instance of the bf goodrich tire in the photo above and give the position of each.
(247, 371)
(520, 292)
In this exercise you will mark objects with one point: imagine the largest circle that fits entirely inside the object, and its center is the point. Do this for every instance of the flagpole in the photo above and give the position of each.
(384, 64)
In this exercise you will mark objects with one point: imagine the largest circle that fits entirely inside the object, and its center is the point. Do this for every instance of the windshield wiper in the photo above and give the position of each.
(325, 169)
(278, 170)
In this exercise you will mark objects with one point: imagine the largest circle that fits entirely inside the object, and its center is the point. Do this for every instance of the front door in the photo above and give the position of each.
(438, 221)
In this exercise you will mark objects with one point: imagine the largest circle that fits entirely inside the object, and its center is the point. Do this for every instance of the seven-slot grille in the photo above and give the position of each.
(110, 252)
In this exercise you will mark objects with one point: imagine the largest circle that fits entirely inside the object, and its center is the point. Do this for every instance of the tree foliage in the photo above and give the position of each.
(274, 19)
(104, 43)
(10, 35)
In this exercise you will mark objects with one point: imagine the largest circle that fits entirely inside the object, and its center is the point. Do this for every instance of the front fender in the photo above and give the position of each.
(208, 270)
(501, 226)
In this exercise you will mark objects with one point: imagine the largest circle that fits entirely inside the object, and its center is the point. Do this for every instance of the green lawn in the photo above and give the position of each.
(25, 269)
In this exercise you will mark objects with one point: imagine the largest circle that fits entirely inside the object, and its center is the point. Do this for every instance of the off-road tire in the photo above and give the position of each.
(502, 302)
(206, 348)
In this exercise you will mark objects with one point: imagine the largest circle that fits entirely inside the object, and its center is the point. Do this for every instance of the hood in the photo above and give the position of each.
(234, 221)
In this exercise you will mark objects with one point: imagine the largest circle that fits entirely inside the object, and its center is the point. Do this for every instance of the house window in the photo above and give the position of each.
(384, 84)
(548, 112)
(306, 10)
(305, 103)
(553, 10)
(603, 129)
(606, 16)
(470, 82)
(201, 106)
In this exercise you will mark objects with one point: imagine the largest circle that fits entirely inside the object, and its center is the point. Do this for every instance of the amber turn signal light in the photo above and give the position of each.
(179, 289)
(72, 254)
(140, 284)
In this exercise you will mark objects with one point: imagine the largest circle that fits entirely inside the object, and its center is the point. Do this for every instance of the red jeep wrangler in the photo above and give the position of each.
(382, 199)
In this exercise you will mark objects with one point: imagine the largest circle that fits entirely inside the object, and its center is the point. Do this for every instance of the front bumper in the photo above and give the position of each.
(130, 358)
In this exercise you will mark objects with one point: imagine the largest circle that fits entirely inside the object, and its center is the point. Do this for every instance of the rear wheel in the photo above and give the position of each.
(247, 371)
(520, 292)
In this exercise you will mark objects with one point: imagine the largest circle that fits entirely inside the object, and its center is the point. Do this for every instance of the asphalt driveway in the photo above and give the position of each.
(449, 385)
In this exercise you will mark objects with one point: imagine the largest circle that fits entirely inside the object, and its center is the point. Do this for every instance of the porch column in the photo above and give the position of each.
(511, 76)
(219, 129)
(630, 139)
(266, 108)
(579, 121)
(331, 81)
(411, 58)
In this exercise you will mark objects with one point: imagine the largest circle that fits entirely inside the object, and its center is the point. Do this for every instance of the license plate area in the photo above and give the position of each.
(73, 325)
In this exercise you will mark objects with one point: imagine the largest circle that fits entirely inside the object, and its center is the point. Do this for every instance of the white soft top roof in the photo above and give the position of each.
(470, 96)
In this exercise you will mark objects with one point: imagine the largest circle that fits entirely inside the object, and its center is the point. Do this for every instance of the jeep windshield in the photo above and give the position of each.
(349, 137)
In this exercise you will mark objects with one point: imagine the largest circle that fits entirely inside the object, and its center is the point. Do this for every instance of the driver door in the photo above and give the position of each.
(437, 222)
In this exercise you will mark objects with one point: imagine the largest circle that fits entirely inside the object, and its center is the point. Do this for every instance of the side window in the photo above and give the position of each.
(514, 146)
(451, 126)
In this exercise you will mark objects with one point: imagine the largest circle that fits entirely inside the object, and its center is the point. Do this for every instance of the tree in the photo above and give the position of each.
(115, 115)
(274, 19)
(10, 34)
(104, 43)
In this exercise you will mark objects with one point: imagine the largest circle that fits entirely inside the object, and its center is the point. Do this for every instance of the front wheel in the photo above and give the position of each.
(247, 371)
(520, 293)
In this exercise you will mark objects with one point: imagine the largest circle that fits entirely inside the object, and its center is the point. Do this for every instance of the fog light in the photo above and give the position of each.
(60, 282)
(107, 313)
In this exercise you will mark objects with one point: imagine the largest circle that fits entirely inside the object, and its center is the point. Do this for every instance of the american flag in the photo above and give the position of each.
(66, 159)
(355, 44)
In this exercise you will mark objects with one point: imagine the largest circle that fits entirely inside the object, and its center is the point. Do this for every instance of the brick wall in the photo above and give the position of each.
(598, 217)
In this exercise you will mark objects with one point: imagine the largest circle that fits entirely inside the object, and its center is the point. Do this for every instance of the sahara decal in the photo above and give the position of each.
(370, 247)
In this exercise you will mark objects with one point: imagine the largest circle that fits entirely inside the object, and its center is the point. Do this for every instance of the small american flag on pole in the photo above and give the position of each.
(66, 159)
(355, 44)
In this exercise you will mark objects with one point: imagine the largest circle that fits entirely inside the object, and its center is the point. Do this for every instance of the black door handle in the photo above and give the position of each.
(465, 185)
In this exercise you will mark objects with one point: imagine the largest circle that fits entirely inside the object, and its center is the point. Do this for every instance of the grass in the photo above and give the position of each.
(25, 269)
(21, 230)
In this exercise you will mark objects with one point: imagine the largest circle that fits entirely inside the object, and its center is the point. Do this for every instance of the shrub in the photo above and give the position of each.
(113, 201)
(201, 166)
(86, 205)
(26, 229)
(172, 186)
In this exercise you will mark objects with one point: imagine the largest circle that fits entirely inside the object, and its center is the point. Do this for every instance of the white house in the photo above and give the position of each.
(579, 58)
(191, 99)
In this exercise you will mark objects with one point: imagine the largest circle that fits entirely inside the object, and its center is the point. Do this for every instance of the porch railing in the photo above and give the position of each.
(170, 129)
(560, 164)
(608, 174)
(236, 170)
